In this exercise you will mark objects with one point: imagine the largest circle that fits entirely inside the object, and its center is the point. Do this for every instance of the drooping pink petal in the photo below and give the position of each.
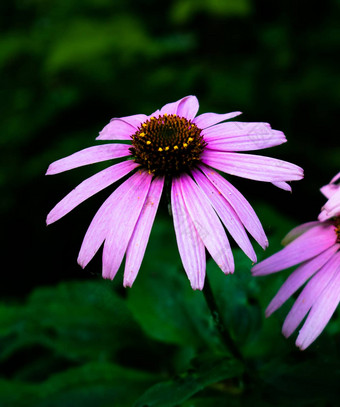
(304, 247)
(90, 187)
(283, 185)
(299, 277)
(140, 236)
(298, 231)
(122, 222)
(309, 295)
(100, 225)
(240, 205)
(332, 207)
(244, 141)
(207, 224)
(254, 167)
(210, 119)
(119, 129)
(89, 155)
(190, 245)
(320, 313)
(226, 213)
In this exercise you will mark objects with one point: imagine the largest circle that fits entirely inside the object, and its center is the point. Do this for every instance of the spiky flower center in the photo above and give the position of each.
(337, 228)
(167, 145)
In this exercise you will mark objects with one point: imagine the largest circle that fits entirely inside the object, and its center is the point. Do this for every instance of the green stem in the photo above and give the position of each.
(215, 313)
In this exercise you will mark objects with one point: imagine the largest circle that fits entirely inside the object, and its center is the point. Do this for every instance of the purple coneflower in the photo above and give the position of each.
(315, 247)
(173, 146)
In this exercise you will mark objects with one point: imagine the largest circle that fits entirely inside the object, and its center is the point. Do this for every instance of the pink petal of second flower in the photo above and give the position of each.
(122, 221)
(331, 208)
(306, 246)
(210, 119)
(299, 277)
(254, 167)
(309, 295)
(90, 187)
(140, 236)
(190, 245)
(320, 313)
(207, 224)
(298, 231)
(89, 155)
(241, 206)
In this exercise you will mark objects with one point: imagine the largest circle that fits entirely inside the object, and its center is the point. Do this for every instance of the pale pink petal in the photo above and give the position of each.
(90, 187)
(240, 205)
(298, 231)
(304, 247)
(283, 185)
(236, 129)
(207, 224)
(254, 167)
(140, 236)
(118, 129)
(309, 295)
(190, 245)
(331, 208)
(246, 142)
(171, 108)
(320, 313)
(100, 225)
(226, 213)
(299, 277)
(329, 189)
(122, 222)
(210, 119)
(188, 107)
(89, 155)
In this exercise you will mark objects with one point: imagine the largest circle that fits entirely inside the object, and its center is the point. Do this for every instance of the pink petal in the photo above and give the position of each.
(298, 231)
(245, 137)
(190, 245)
(226, 213)
(207, 224)
(331, 208)
(188, 107)
(122, 221)
(304, 247)
(309, 295)
(236, 129)
(329, 189)
(89, 155)
(254, 167)
(299, 277)
(209, 119)
(140, 236)
(320, 313)
(90, 187)
(283, 185)
(100, 225)
(120, 129)
(241, 206)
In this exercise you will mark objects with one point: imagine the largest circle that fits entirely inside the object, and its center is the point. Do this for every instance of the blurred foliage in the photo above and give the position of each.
(67, 338)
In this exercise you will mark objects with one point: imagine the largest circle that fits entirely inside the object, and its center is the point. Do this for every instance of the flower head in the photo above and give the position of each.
(175, 145)
(315, 247)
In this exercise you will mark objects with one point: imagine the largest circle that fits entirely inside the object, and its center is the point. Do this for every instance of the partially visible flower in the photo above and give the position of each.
(315, 247)
(176, 148)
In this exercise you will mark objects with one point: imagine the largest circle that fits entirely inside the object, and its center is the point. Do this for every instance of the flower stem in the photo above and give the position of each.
(215, 313)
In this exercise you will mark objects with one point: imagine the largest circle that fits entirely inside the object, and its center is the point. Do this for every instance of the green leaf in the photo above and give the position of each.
(173, 392)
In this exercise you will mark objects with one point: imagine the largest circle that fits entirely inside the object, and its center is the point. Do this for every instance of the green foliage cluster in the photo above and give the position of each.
(85, 343)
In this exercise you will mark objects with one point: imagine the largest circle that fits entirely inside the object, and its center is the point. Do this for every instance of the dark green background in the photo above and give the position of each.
(68, 66)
